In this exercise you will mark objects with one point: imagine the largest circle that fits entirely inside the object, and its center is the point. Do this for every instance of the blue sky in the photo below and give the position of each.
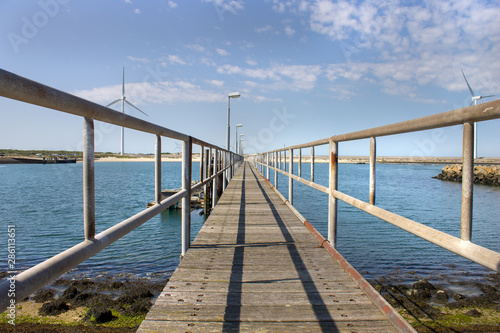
(306, 70)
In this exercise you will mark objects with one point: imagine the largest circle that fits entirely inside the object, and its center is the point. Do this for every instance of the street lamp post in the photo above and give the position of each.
(236, 138)
(228, 139)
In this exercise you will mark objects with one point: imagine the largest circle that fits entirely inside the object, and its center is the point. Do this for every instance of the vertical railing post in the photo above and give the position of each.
(284, 160)
(214, 184)
(224, 174)
(290, 179)
(300, 163)
(88, 180)
(186, 200)
(467, 181)
(373, 162)
(158, 169)
(312, 163)
(276, 170)
(267, 163)
(279, 160)
(332, 201)
(202, 158)
(206, 174)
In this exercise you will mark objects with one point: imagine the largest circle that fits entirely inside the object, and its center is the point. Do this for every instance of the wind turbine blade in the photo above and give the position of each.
(468, 85)
(488, 96)
(135, 107)
(123, 82)
(472, 102)
(114, 102)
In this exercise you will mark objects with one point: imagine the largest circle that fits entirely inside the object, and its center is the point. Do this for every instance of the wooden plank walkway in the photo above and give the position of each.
(254, 267)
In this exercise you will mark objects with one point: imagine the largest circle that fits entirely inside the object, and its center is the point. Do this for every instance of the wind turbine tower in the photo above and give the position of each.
(124, 100)
(474, 100)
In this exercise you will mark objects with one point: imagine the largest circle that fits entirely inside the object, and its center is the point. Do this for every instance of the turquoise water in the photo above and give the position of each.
(44, 202)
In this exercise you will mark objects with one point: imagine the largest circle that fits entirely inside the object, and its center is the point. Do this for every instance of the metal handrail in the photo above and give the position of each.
(18, 88)
(272, 160)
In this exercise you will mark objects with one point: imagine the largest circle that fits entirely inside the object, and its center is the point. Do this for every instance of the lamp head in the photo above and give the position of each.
(239, 125)
(234, 95)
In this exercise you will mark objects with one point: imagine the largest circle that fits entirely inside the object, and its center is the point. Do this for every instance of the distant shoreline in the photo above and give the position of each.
(305, 159)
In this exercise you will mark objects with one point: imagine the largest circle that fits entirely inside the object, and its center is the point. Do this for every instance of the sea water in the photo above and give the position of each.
(44, 202)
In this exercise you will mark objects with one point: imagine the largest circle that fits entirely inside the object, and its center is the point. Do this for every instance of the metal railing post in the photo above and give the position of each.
(290, 179)
(202, 163)
(312, 163)
(214, 184)
(187, 147)
(467, 181)
(267, 163)
(332, 201)
(300, 163)
(276, 170)
(373, 162)
(88, 180)
(158, 169)
(284, 160)
(224, 174)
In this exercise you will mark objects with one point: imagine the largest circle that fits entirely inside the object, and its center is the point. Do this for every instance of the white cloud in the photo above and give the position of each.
(128, 1)
(232, 6)
(137, 11)
(416, 43)
(196, 47)
(289, 31)
(250, 61)
(174, 59)
(135, 59)
(216, 83)
(156, 93)
(172, 4)
(294, 77)
(263, 29)
(222, 52)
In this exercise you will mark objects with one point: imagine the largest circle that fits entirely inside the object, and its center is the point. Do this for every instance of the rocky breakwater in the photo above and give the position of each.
(483, 174)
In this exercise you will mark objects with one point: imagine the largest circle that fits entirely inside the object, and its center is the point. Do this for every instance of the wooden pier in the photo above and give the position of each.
(255, 267)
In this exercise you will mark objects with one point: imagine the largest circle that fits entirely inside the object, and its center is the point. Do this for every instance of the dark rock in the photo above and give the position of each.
(100, 314)
(473, 313)
(442, 296)
(138, 308)
(423, 285)
(69, 294)
(44, 295)
(53, 308)
(116, 285)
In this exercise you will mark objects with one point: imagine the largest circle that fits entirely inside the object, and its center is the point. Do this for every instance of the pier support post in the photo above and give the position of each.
(467, 181)
(88, 180)
(276, 161)
(214, 184)
(290, 179)
(267, 163)
(158, 169)
(312, 164)
(187, 147)
(300, 163)
(332, 201)
(373, 162)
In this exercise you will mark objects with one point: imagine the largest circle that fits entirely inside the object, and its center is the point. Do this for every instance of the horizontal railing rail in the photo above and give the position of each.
(276, 160)
(215, 162)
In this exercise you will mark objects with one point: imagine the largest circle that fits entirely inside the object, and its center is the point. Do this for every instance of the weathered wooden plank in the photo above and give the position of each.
(260, 299)
(265, 287)
(237, 327)
(264, 313)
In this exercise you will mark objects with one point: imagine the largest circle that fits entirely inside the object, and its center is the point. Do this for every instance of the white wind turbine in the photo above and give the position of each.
(124, 100)
(475, 98)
